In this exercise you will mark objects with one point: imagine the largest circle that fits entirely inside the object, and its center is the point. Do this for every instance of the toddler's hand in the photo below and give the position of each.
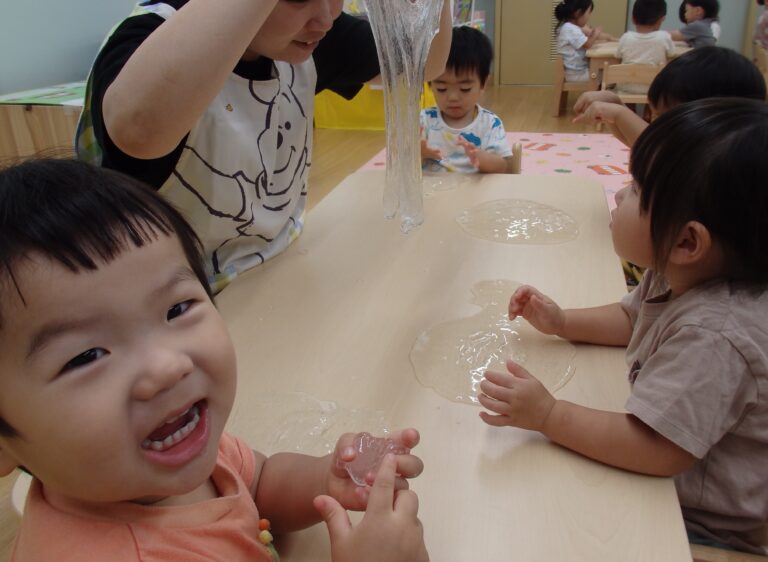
(390, 530)
(542, 312)
(472, 151)
(351, 496)
(518, 399)
(588, 98)
(429, 153)
(599, 112)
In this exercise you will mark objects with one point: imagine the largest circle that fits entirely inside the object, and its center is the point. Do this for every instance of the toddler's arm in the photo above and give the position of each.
(287, 483)
(518, 399)
(604, 325)
(624, 123)
(177, 71)
(390, 530)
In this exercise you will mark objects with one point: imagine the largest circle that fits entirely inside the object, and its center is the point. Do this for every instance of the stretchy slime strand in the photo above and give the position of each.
(403, 30)
(370, 452)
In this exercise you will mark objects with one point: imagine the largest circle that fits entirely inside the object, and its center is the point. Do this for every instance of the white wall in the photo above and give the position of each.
(46, 42)
(733, 18)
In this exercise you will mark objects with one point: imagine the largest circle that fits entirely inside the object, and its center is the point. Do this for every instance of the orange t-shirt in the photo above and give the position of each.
(225, 528)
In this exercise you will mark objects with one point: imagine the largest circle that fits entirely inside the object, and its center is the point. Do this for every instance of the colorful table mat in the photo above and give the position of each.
(597, 156)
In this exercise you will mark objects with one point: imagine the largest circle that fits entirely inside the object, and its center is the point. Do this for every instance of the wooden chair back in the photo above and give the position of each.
(618, 74)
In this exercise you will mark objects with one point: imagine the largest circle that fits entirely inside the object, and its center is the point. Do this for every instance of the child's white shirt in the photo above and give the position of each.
(570, 45)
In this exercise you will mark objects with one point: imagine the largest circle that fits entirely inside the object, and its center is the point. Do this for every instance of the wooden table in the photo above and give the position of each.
(606, 53)
(336, 315)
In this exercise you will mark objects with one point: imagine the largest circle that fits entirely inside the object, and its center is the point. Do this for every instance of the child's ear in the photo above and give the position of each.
(693, 244)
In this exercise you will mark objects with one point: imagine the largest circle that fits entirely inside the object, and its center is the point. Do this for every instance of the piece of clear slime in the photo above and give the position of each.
(403, 31)
(370, 451)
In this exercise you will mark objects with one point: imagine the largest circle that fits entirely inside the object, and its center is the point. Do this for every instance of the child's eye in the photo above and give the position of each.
(441, 90)
(84, 359)
(466, 90)
(178, 309)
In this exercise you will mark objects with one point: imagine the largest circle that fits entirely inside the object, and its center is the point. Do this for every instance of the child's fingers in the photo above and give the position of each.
(503, 380)
(406, 501)
(336, 517)
(517, 370)
(495, 421)
(495, 406)
(408, 437)
(383, 489)
(409, 466)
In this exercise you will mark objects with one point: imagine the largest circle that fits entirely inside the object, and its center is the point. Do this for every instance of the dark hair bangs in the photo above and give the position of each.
(81, 216)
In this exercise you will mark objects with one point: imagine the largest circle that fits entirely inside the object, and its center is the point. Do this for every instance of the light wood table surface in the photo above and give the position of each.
(335, 317)
(606, 52)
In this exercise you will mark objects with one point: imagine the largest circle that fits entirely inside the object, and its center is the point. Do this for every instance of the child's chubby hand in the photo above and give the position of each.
(429, 153)
(588, 98)
(390, 530)
(351, 496)
(473, 151)
(517, 398)
(542, 312)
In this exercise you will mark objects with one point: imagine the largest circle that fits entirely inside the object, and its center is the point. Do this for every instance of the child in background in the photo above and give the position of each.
(211, 103)
(648, 44)
(761, 29)
(115, 389)
(694, 329)
(700, 23)
(574, 37)
(686, 78)
(458, 135)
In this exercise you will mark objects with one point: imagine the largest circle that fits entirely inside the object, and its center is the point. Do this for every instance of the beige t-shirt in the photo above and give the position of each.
(698, 365)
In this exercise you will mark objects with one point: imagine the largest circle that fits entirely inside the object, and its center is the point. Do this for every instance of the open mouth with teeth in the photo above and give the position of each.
(177, 430)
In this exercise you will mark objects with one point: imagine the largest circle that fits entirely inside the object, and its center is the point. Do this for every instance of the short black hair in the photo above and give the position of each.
(81, 216)
(711, 8)
(706, 161)
(648, 12)
(567, 9)
(706, 72)
(471, 51)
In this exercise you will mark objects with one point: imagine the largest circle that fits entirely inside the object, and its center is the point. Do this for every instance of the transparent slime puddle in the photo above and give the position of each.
(452, 357)
(299, 422)
(434, 183)
(518, 221)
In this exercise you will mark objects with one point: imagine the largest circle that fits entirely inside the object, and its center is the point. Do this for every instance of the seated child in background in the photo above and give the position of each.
(574, 37)
(458, 135)
(648, 44)
(701, 73)
(694, 329)
(684, 79)
(761, 29)
(115, 389)
(701, 25)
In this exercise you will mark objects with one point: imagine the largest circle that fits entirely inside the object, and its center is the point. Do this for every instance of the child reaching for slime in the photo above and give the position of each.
(694, 328)
(117, 376)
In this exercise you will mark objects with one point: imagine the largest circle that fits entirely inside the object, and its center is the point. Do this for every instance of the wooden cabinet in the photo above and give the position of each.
(524, 37)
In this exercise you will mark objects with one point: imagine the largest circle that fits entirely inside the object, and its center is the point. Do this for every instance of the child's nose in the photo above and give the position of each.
(159, 370)
(620, 194)
(326, 12)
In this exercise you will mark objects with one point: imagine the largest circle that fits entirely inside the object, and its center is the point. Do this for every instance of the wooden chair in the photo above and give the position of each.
(517, 158)
(560, 88)
(618, 74)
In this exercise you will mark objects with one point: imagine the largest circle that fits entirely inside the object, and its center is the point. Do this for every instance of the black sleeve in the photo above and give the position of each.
(346, 57)
(110, 61)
